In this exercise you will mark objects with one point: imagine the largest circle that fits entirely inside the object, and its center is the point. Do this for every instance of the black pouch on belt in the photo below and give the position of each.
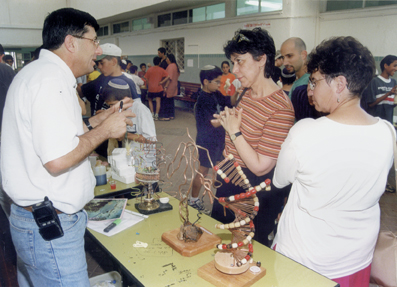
(47, 220)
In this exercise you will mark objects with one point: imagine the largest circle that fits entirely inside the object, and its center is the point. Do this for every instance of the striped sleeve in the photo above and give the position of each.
(275, 132)
(265, 124)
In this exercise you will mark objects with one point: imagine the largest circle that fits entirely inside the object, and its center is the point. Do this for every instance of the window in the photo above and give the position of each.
(176, 47)
(356, 4)
(209, 13)
(216, 11)
(121, 27)
(103, 31)
(182, 17)
(193, 15)
(245, 7)
(199, 14)
(164, 20)
(141, 24)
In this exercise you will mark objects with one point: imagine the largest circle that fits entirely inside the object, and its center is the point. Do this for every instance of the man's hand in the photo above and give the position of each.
(101, 116)
(115, 125)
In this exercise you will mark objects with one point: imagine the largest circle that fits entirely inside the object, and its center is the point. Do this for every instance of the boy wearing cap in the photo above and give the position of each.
(109, 65)
(143, 124)
(143, 129)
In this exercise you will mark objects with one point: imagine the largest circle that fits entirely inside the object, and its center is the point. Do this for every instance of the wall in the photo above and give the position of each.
(21, 21)
(105, 8)
(20, 27)
(372, 27)
(204, 41)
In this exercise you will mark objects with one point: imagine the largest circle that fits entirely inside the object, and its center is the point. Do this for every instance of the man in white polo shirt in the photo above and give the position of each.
(45, 147)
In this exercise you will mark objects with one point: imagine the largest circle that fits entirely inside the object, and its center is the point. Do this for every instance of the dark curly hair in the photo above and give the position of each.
(343, 56)
(257, 42)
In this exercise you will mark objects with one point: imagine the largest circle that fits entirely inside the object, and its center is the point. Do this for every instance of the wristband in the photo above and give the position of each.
(87, 123)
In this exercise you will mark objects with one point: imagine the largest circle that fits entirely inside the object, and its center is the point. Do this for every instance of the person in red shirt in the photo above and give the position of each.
(156, 77)
(225, 84)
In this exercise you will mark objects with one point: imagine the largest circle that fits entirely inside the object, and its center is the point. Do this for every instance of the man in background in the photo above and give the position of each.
(161, 52)
(9, 60)
(295, 54)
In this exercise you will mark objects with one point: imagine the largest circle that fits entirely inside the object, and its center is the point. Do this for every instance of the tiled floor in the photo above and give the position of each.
(171, 134)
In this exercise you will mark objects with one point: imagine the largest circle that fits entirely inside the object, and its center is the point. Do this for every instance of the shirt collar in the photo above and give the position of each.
(54, 58)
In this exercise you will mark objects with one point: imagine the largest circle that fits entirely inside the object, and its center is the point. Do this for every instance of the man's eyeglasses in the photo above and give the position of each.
(217, 82)
(240, 37)
(312, 84)
(95, 41)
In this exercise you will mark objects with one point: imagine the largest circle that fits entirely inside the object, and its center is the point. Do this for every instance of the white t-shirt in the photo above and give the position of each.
(42, 122)
(143, 125)
(338, 173)
(143, 122)
(137, 80)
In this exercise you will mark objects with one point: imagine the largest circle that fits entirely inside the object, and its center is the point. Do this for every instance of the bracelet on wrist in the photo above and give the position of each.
(87, 123)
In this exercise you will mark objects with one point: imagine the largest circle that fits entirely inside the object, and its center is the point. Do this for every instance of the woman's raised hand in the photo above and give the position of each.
(230, 119)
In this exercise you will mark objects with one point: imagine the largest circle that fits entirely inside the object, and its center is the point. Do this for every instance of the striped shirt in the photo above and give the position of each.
(265, 124)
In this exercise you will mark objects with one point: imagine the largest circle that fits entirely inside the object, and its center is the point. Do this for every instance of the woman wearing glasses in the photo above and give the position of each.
(257, 127)
(338, 165)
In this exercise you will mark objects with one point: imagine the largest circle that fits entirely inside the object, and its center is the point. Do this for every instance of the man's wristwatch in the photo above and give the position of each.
(87, 123)
(234, 136)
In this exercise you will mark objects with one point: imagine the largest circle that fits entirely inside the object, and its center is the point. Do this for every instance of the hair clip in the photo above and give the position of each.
(240, 37)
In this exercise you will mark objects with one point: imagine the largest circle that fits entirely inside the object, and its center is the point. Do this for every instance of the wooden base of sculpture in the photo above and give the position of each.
(206, 242)
(217, 278)
(225, 263)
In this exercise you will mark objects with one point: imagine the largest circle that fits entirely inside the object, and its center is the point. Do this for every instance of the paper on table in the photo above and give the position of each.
(129, 219)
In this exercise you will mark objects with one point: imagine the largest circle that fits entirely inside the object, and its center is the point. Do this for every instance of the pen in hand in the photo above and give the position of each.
(121, 107)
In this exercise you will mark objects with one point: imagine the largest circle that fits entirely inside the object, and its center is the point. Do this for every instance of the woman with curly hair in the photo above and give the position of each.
(338, 166)
(257, 127)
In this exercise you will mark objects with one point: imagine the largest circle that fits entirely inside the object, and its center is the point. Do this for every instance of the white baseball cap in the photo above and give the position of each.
(109, 50)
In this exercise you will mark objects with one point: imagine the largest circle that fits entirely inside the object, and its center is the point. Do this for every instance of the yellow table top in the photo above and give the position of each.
(105, 189)
(160, 265)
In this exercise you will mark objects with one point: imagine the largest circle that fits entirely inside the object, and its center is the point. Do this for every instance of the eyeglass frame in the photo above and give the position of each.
(95, 41)
(312, 84)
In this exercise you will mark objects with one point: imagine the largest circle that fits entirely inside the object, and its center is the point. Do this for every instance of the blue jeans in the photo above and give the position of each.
(59, 262)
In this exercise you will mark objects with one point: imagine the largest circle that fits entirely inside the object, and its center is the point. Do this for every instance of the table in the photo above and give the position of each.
(159, 265)
(122, 190)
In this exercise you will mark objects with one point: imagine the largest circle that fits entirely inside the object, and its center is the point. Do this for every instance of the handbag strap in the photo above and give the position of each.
(241, 96)
(393, 132)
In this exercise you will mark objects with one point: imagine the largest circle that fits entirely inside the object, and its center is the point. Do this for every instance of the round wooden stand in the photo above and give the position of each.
(225, 262)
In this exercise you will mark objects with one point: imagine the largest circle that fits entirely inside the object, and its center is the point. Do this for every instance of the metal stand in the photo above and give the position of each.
(149, 203)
